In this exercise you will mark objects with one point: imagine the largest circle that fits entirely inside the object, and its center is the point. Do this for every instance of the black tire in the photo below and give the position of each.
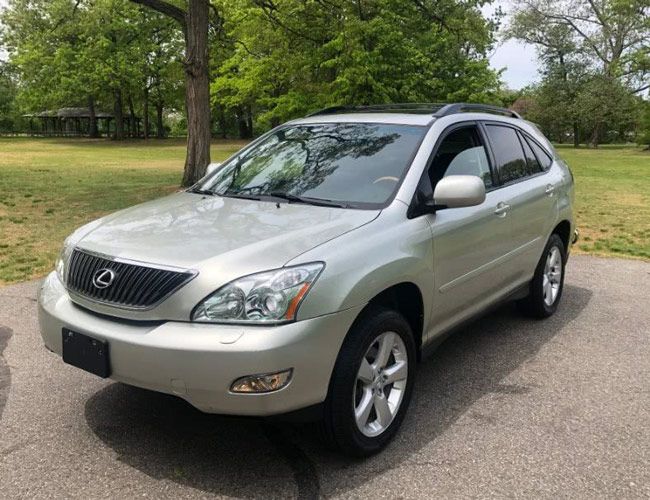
(338, 426)
(534, 305)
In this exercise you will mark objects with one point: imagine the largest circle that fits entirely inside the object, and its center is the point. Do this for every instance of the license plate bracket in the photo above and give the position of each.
(85, 352)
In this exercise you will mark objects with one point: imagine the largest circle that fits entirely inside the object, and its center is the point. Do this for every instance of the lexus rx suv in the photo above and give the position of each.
(313, 270)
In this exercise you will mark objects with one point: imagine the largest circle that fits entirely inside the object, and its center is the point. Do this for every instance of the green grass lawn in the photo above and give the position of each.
(612, 199)
(48, 187)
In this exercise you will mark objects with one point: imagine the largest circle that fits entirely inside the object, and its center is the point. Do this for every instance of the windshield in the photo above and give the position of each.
(358, 165)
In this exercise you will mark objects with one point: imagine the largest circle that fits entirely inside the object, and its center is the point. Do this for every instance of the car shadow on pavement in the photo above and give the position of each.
(166, 438)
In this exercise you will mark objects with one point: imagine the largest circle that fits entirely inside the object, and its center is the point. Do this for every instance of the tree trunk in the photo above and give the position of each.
(145, 113)
(160, 126)
(194, 22)
(249, 121)
(242, 125)
(245, 122)
(576, 135)
(221, 120)
(92, 118)
(197, 91)
(132, 129)
(595, 136)
(119, 115)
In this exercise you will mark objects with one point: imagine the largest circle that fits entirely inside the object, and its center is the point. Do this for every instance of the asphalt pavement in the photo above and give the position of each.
(507, 407)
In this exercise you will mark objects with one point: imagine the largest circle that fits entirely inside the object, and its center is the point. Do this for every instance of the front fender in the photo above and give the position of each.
(361, 264)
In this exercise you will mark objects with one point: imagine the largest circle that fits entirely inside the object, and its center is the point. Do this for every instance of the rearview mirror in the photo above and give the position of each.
(457, 191)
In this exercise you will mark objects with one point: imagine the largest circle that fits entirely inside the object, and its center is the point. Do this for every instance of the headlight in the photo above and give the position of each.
(63, 260)
(268, 297)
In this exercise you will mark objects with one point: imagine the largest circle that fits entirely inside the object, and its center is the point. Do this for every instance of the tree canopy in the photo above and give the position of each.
(239, 67)
(596, 66)
(269, 60)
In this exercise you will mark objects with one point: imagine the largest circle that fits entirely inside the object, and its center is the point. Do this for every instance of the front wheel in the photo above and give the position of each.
(372, 383)
(548, 281)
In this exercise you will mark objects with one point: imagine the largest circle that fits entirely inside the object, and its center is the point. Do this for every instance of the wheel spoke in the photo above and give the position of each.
(554, 276)
(396, 372)
(385, 347)
(365, 372)
(547, 289)
(362, 411)
(383, 410)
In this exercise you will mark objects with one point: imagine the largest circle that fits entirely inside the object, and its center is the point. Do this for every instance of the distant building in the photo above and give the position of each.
(75, 122)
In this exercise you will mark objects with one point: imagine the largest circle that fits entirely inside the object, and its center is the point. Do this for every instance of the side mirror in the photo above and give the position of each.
(458, 191)
(211, 168)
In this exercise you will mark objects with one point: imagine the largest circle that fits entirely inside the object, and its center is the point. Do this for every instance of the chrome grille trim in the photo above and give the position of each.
(138, 285)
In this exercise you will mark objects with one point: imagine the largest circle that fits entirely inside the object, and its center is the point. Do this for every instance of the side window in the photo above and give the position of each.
(542, 156)
(533, 165)
(461, 153)
(508, 153)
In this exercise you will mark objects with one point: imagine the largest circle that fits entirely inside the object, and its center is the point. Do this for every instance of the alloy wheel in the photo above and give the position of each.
(380, 385)
(552, 278)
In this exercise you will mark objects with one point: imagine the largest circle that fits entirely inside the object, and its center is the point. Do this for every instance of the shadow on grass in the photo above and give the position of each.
(166, 438)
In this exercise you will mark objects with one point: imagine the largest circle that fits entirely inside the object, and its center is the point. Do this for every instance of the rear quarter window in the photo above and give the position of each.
(542, 156)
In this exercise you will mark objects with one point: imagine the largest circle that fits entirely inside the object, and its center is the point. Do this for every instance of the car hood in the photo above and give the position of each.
(189, 230)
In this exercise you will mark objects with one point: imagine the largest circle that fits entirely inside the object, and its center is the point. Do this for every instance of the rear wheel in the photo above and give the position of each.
(548, 281)
(371, 385)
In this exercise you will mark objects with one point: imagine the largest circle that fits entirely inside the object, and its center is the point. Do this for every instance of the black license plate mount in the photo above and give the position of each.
(86, 352)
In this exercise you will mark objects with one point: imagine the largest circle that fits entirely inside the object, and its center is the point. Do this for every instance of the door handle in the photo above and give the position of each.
(550, 189)
(502, 209)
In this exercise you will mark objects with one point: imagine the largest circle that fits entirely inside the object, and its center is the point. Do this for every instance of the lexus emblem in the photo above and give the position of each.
(103, 278)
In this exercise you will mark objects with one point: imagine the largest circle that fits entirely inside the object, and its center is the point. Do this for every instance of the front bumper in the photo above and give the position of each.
(199, 362)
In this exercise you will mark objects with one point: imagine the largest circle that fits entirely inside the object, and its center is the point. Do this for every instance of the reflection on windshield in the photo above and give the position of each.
(360, 164)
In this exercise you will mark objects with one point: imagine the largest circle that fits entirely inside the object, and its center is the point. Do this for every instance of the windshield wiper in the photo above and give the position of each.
(241, 196)
(320, 202)
(198, 190)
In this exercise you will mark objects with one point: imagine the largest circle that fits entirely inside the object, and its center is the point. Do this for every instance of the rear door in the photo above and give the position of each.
(528, 189)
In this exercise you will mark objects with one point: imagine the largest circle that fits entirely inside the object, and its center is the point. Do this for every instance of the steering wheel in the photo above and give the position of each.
(386, 178)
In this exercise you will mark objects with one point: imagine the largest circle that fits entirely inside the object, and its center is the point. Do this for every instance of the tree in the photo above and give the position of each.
(277, 60)
(603, 104)
(194, 23)
(613, 34)
(8, 92)
(97, 53)
(644, 125)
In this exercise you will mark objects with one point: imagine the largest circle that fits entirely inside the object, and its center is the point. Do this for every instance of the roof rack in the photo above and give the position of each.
(463, 107)
(436, 109)
(410, 107)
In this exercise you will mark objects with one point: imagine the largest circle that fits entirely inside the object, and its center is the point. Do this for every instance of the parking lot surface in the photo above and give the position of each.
(507, 407)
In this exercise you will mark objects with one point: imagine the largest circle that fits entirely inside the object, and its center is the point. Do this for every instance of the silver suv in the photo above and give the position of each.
(315, 268)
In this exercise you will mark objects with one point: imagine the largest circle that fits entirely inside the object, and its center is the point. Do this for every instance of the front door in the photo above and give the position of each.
(471, 245)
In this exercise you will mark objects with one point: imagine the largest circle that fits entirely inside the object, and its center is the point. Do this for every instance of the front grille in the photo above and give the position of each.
(133, 285)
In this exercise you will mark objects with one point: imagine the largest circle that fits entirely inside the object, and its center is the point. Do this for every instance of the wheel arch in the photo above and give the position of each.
(405, 298)
(563, 230)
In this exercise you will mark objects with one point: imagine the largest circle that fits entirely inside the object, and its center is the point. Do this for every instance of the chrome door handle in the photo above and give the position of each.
(502, 209)
(550, 188)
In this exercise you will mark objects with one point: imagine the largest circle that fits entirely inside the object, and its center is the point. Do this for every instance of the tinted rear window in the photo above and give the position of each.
(508, 153)
(542, 156)
(534, 166)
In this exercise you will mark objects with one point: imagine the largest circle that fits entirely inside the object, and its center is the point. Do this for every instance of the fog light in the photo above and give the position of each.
(265, 382)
